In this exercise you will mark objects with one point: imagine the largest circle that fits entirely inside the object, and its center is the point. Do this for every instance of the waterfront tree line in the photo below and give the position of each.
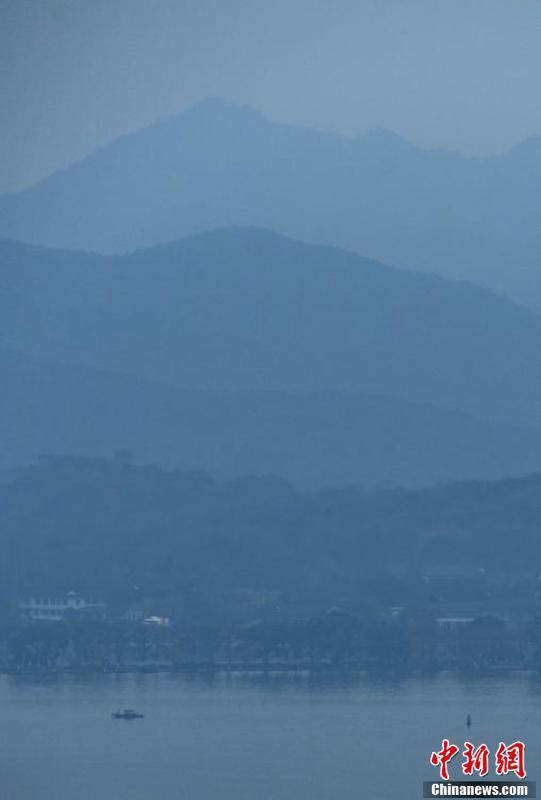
(335, 640)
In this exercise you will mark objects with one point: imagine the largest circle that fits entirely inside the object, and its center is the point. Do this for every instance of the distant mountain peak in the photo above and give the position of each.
(219, 164)
(386, 139)
(218, 109)
(216, 104)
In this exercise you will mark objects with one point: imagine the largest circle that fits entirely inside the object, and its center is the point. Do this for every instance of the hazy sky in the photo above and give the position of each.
(75, 74)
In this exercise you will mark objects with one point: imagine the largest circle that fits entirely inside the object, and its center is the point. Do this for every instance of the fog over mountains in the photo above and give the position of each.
(248, 309)
(241, 351)
(313, 439)
(221, 165)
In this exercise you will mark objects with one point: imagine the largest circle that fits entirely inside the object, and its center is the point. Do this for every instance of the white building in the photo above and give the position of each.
(161, 621)
(55, 609)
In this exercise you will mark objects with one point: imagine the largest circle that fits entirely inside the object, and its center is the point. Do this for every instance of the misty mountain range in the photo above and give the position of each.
(313, 439)
(221, 165)
(242, 309)
(192, 298)
(241, 351)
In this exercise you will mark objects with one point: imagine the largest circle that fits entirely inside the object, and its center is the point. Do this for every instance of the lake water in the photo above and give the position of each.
(248, 737)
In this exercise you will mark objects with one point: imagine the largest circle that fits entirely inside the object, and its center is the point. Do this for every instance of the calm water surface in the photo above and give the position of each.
(248, 737)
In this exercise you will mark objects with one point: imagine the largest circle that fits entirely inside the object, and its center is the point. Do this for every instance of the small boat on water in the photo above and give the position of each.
(128, 713)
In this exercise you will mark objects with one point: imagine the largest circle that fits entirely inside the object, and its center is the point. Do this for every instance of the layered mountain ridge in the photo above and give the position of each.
(220, 165)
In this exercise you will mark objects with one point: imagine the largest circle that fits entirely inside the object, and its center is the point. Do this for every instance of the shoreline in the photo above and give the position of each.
(256, 668)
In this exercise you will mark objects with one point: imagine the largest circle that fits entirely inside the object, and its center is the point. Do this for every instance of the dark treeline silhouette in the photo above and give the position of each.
(336, 640)
(181, 545)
